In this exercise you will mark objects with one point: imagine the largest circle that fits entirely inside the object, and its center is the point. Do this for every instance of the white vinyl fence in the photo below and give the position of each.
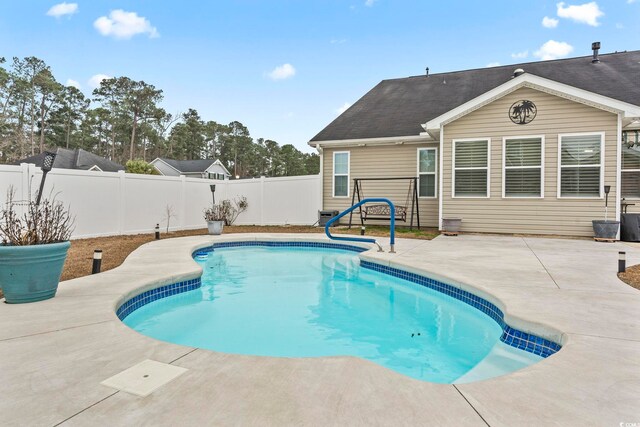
(109, 203)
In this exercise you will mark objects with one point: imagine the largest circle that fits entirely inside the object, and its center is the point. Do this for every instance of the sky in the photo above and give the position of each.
(287, 68)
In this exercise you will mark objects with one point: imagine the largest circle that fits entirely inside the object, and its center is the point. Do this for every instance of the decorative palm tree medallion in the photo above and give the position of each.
(523, 112)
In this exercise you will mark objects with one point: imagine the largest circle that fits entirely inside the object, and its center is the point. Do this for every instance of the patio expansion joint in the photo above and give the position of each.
(540, 261)
(88, 407)
(472, 407)
(56, 330)
(604, 337)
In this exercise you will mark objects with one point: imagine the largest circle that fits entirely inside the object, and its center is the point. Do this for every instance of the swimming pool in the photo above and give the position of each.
(307, 300)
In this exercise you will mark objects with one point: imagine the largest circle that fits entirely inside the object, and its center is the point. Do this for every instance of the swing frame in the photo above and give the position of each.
(357, 197)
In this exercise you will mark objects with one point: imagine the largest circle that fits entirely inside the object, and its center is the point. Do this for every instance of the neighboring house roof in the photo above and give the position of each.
(218, 167)
(190, 166)
(76, 159)
(398, 107)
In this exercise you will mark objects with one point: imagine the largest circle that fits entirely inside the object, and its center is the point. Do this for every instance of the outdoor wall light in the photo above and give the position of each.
(47, 165)
(213, 192)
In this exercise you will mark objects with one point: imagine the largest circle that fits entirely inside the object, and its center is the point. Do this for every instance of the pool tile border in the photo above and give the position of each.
(155, 294)
(510, 336)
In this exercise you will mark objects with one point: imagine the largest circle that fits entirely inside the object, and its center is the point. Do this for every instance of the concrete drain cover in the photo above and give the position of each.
(144, 378)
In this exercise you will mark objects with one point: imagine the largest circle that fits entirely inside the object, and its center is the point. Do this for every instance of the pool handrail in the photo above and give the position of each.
(392, 225)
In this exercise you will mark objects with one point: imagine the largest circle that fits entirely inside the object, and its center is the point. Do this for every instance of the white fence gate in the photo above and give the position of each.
(110, 203)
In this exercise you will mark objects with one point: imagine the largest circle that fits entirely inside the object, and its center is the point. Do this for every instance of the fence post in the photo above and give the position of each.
(262, 180)
(121, 202)
(183, 203)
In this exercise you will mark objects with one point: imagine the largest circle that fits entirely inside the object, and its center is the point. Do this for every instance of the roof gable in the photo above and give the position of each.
(537, 83)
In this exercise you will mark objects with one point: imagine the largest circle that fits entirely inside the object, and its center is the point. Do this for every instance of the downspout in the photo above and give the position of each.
(618, 170)
(440, 180)
(321, 154)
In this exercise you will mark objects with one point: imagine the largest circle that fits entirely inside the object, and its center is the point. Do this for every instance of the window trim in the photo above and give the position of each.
(348, 175)
(435, 173)
(453, 169)
(504, 166)
(601, 166)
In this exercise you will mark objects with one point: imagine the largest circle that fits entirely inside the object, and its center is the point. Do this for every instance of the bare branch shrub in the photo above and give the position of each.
(169, 213)
(227, 210)
(49, 222)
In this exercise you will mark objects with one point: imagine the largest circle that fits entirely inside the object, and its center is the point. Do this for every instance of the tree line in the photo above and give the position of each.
(124, 120)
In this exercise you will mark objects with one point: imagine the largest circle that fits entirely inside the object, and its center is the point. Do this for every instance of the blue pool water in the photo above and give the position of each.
(309, 302)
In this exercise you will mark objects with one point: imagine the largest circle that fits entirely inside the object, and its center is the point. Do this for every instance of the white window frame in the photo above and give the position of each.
(435, 173)
(602, 156)
(453, 169)
(505, 167)
(622, 171)
(333, 176)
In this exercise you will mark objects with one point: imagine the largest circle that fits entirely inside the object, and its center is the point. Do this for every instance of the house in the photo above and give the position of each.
(76, 159)
(525, 148)
(209, 168)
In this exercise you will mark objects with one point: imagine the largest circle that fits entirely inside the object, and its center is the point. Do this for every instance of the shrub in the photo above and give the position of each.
(48, 222)
(141, 167)
(227, 211)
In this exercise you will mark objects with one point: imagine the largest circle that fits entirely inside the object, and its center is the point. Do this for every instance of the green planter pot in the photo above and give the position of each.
(31, 273)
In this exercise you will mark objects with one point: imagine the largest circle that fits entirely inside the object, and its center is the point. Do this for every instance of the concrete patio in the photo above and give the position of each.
(54, 354)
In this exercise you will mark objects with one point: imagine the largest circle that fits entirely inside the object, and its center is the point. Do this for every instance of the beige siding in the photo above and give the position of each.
(550, 215)
(378, 162)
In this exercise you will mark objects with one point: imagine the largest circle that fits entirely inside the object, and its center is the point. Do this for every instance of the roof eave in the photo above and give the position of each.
(393, 140)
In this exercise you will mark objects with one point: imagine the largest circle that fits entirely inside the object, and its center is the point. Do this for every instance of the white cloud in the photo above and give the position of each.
(631, 1)
(369, 3)
(62, 9)
(95, 80)
(553, 50)
(344, 108)
(587, 13)
(338, 41)
(282, 72)
(520, 55)
(493, 64)
(74, 83)
(124, 25)
(549, 22)
(619, 26)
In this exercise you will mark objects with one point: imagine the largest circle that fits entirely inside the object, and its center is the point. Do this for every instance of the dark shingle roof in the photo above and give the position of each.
(398, 107)
(75, 159)
(189, 166)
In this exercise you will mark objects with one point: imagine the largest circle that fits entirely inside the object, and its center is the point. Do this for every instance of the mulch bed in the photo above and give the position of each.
(631, 276)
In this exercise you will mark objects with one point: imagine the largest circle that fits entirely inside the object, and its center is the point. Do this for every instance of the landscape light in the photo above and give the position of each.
(47, 165)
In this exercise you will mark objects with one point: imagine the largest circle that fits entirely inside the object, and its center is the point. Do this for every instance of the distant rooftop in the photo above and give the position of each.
(75, 159)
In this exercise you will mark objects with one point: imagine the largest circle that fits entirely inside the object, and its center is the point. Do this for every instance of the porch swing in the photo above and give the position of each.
(382, 212)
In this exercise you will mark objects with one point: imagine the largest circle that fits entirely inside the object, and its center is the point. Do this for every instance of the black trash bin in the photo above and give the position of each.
(630, 227)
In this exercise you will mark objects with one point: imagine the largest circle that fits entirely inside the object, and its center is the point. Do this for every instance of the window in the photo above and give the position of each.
(523, 172)
(630, 187)
(427, 172)
(471, 168)
(341, 174)
(580, 165)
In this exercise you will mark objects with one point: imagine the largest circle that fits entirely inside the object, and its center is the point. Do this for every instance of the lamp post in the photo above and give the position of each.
(47, 165)
(213, 192)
